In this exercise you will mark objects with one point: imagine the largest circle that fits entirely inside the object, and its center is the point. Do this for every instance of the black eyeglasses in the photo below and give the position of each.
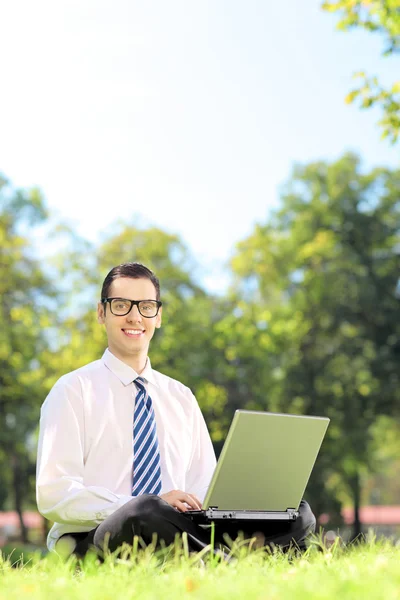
(122, 306)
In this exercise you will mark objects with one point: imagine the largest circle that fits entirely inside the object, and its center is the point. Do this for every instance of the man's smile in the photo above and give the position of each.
(133, 333)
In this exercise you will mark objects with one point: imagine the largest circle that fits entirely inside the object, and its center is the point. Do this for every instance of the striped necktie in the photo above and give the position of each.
(146, 453)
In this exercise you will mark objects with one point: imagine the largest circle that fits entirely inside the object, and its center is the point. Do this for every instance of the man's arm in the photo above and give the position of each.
(61, 495)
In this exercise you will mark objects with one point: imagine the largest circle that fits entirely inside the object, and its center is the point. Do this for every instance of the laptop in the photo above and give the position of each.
(263, 468)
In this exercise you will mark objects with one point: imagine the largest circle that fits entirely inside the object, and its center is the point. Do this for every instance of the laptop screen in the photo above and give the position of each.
(266, 461)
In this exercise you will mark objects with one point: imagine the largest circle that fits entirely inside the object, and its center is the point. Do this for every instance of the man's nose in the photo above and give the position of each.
(134, 314)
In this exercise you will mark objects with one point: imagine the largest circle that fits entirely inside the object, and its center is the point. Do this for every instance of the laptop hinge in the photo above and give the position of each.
(291, 511)
(213, 512)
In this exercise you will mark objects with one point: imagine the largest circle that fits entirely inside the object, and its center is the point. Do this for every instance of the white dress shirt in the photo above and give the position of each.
(85, 450)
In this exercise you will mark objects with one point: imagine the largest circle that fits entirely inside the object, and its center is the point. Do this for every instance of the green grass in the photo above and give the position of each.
(367, 570)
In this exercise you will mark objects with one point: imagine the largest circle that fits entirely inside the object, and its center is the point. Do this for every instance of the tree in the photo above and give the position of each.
(182, 348)
(24, 289)
(383, 486)
(383, 17)
(316, 329)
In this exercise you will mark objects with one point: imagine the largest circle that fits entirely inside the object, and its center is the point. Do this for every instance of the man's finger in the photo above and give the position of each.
(197, 500)
(180, 506)
(194, 502)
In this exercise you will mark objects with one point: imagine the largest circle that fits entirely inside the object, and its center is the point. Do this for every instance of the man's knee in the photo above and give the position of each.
(145, 508)
(306, 519)
(140, 516)
(139, 510)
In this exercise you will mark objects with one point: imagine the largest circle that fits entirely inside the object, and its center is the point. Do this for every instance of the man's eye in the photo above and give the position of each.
(121, 305)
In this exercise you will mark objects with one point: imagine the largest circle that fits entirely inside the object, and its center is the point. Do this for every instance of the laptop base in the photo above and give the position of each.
(214, 514)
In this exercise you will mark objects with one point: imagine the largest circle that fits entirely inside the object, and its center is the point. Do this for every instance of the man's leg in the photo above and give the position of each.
(277, 533)
(147, 515)
(143, 516)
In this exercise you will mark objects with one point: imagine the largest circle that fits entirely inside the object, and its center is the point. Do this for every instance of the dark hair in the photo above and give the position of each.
(133, 270)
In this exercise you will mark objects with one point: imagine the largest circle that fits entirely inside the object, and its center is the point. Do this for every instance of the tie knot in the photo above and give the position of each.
(139, 382)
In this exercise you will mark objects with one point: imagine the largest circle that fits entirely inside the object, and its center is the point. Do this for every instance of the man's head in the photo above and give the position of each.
(133, 270)
(129, 321)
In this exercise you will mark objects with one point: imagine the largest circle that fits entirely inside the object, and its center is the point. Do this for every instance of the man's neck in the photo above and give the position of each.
(140, 370)
(136, 362)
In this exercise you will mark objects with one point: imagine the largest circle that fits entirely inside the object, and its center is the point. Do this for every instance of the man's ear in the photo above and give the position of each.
(159, 318)
(100, 313)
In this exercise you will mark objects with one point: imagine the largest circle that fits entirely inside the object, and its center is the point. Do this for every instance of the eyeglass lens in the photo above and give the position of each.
(121, 307)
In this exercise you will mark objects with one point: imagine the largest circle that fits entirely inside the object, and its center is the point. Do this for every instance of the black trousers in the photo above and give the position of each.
(146, 516)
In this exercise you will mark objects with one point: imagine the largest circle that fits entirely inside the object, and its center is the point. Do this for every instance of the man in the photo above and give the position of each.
(123, 449)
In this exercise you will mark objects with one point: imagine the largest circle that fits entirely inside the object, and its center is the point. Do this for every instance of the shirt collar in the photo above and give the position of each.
(124, 372)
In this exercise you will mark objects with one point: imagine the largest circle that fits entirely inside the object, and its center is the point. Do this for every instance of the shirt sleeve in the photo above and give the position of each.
(61, 494)
(203, 461)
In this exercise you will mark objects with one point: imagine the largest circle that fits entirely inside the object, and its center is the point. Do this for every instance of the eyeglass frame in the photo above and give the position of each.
(133, 303)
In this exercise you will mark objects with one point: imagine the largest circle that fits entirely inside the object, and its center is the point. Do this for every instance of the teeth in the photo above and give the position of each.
(133, 330)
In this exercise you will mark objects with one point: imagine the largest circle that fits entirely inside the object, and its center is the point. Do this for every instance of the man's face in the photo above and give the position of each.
(130, 335)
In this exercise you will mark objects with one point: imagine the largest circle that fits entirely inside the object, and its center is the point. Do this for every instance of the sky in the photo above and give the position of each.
(183, 115)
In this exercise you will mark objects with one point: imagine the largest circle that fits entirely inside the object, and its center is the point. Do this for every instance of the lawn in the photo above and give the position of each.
(366, 570)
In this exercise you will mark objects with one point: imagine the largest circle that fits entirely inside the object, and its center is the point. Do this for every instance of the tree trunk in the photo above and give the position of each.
(355, 486)
(18, 495)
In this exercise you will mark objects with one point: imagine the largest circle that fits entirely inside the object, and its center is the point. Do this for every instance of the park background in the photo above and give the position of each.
(224, 147)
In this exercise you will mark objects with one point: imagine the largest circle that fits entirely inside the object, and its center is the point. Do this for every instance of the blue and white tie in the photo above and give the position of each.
(146, 453)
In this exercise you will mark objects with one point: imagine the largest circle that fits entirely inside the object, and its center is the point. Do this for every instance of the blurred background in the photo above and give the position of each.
(248, 153)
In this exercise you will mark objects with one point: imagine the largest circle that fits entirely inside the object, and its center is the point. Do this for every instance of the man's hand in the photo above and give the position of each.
(182, 500)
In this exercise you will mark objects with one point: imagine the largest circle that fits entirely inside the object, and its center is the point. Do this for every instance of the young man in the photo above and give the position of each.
(123, 449)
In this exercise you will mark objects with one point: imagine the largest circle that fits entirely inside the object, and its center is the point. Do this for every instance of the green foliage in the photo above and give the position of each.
(382, 486)
(182, 348)
(383, 17)
(23, 291)
(310, 326)
(316, 327)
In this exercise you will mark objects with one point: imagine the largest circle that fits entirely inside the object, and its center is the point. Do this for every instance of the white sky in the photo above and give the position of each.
(186, 114)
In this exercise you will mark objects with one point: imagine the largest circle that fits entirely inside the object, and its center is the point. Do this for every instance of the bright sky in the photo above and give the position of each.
(187, 114)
